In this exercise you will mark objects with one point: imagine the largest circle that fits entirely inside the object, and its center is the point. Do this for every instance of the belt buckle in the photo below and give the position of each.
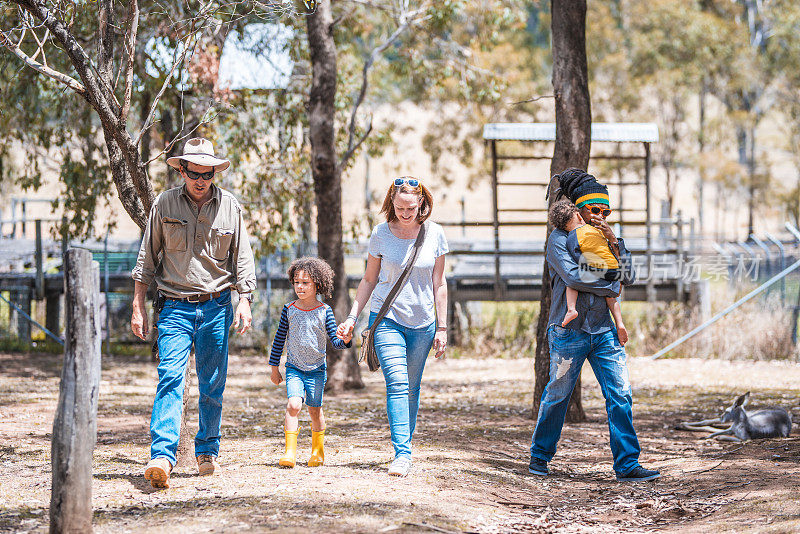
(193, 299)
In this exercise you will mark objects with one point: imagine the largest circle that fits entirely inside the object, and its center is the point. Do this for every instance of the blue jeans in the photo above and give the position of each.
(306, 384)
(180, 324)
(568, 350)
(402, 353)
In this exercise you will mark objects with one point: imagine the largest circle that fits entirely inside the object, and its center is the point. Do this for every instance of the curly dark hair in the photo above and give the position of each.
(561, 212)
(318, 270)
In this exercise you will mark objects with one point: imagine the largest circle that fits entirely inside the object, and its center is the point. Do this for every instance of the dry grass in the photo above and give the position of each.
(758, 330)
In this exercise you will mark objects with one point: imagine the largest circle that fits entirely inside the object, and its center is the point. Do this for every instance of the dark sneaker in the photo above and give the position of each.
(538, 467)
(639, 473)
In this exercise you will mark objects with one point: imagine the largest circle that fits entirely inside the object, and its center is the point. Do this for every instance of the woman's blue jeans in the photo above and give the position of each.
(568, 350)
(181, 324)
(402, 353)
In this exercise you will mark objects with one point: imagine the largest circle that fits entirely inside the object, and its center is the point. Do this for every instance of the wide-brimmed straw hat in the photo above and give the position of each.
(200, 152)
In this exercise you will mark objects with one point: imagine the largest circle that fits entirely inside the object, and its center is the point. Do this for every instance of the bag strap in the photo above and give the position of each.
(403, 277)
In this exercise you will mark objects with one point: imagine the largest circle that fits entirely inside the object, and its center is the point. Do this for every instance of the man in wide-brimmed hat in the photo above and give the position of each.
(195, 248)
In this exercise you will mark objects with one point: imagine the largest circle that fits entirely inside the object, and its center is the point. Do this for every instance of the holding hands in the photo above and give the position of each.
(345, 330)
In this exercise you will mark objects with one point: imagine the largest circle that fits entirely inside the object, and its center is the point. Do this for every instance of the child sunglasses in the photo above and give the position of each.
(413, 182)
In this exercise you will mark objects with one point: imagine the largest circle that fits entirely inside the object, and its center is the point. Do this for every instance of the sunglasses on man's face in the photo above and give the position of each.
(410, 181)
(597, 211)
(198, 175)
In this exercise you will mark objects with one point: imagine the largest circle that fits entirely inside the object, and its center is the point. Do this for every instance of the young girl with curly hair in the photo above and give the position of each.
(306, 324)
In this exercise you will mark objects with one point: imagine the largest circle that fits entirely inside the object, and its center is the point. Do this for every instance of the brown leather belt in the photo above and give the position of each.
(200, 297)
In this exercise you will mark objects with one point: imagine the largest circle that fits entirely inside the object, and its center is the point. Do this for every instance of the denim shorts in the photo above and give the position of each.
(306, 384)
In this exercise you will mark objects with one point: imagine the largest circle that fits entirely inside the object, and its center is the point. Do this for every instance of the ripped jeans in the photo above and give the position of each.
(568, 350)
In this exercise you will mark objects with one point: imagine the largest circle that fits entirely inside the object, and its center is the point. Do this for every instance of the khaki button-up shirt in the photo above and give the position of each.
(189, 251)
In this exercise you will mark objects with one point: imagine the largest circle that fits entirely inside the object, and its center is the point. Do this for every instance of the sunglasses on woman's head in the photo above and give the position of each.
(597, 211)
(198, 175)
(413, 182)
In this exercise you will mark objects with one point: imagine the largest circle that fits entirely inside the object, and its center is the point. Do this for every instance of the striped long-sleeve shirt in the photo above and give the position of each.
(304, 334)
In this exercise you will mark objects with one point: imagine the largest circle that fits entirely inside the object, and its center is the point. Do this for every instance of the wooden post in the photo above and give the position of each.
(23, 300)
(39, 287)
(650, 290)
(75, 425)
(680, 259)
(498, 280)
(53, 312)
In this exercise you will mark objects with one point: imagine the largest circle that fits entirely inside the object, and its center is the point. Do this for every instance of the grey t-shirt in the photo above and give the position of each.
(414, 305)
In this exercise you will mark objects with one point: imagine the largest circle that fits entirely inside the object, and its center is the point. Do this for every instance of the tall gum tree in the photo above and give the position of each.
(572, 146)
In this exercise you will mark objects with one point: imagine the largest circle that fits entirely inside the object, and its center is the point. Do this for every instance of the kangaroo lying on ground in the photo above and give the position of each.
(767, 423)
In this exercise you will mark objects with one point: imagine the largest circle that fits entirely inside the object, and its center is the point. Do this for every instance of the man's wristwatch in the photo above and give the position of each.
(247, 296)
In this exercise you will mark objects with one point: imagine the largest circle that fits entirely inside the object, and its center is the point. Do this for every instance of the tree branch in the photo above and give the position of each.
(178, 138)
(130, 51)
(355, 147)
(534, 99)
(167, 79)
(352, 144)
(70, 82)
(105, 32)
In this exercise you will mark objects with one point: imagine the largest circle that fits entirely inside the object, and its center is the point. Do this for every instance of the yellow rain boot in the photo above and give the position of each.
(288, 458)
(317, 448)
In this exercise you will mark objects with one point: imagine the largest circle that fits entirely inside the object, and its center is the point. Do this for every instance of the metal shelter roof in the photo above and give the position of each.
(615, 132)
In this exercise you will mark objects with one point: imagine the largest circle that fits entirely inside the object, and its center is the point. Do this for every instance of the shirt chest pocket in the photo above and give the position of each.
(175, 237)
(220, 243)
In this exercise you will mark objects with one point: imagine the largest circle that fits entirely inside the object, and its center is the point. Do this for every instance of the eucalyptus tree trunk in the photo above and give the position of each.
(573, 138)
(327, 175)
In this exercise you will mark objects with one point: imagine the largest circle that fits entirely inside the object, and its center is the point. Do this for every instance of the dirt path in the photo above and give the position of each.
(471, 454)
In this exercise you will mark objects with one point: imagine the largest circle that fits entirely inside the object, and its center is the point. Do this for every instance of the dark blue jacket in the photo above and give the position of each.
(594, 316)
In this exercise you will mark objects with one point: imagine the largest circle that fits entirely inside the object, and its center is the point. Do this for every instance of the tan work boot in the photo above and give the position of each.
(317, 449)
(206, 464)
(289, 457)
(157, 472)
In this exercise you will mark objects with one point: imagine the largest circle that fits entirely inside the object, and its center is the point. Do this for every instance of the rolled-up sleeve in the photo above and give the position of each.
(560, 260)
(146, 262)
(242, 255)
(626, 264)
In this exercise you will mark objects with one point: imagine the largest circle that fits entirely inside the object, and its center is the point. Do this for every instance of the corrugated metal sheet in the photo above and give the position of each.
(617, 132)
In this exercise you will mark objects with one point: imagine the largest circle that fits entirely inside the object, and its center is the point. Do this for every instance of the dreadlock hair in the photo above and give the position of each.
(318, 270)
(561, 212)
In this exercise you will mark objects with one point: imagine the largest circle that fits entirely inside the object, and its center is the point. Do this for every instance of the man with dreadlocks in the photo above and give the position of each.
(589, 336)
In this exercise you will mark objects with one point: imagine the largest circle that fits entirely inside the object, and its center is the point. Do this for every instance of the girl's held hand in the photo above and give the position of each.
(440, 343)
(345, 329)
(276, 377)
